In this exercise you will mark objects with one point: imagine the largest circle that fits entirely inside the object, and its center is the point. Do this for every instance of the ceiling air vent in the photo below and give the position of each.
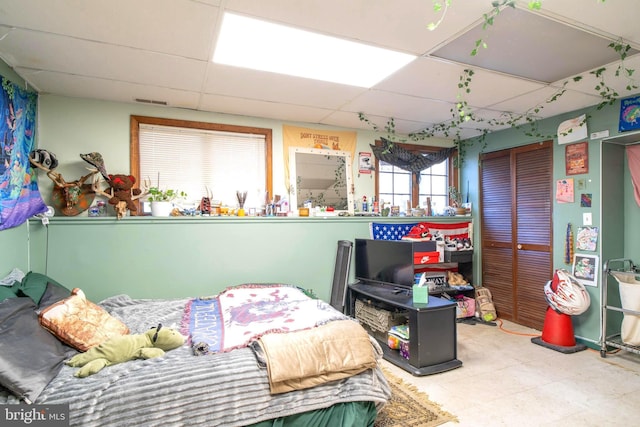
(151, 101)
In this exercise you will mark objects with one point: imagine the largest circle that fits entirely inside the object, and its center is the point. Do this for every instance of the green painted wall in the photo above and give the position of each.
(147, 257)
(613, 209)
(70, 126)
(14, 249)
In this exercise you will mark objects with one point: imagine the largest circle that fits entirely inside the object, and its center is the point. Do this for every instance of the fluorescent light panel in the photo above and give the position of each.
(259, 45)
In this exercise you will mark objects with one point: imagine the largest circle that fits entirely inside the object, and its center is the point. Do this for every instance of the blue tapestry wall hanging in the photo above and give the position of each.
(19, 195)
(629, 114)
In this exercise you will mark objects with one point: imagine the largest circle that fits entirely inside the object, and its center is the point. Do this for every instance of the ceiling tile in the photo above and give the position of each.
(615, 18)
(271, 110)
(244, 83)
(403, 27)
(161, 49)
(393, 105)
(111, 90)
(84, 58)
(589, 81)
(568, 101)
(531, 46)
(183, 28)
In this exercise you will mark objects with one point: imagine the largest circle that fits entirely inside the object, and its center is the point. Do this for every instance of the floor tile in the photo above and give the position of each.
(507, 380)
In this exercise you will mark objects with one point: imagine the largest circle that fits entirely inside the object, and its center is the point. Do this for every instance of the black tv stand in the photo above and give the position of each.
(432, 326)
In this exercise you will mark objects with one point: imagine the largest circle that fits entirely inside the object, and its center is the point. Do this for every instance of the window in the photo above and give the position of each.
(398, 186)
(200, 158)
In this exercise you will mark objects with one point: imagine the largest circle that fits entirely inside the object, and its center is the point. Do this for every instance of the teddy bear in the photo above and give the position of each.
(153, 343)
(121, 187)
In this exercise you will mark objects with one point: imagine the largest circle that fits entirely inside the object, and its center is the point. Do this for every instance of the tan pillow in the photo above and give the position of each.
(80, 323)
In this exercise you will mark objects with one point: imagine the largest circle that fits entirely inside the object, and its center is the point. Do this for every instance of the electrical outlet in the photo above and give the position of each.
(586, 218)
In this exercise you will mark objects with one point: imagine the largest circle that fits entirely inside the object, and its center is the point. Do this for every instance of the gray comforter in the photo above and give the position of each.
(227, 389)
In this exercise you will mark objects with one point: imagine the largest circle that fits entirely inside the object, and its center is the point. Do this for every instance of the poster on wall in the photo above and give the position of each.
(577, 158)
(365, 163)
(587, 238)
(572, 130)
(564, 190)
(293, 136)
(19, 195)
(585, 269)
(629, 114)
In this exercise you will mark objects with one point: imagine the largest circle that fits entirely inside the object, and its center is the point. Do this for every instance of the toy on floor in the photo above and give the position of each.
(152, 343)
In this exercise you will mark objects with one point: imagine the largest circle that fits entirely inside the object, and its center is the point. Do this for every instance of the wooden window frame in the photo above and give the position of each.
(134, 145)
(415, 188)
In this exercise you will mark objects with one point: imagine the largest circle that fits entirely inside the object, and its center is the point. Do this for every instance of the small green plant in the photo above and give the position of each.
(158, 195)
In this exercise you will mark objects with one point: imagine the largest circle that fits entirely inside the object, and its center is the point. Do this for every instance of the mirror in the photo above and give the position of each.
(322, 177)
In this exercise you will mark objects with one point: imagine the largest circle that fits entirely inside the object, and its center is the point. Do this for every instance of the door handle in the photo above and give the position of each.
(519, 246)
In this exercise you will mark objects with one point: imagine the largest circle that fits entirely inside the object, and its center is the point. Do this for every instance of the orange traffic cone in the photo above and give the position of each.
(557, 331)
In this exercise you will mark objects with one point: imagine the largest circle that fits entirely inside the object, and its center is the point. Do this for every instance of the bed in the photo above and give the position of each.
(231, 387)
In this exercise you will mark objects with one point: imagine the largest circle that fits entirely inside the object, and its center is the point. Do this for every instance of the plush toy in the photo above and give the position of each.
(121, 187)
(152, 343)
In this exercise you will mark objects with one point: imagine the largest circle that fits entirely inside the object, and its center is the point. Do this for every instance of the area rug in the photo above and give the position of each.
(409, 407)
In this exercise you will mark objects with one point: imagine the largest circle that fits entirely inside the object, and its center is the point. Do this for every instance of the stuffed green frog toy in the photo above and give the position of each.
(152, 343)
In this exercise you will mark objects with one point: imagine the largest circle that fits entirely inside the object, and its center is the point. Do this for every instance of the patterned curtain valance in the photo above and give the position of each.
(400, 157)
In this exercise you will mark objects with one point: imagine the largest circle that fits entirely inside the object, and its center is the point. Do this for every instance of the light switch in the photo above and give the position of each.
(586, 218)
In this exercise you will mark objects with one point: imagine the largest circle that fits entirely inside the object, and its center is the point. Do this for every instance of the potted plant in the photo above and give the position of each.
(162, 200)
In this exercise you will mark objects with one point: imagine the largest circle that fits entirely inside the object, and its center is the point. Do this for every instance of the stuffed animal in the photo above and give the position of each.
(152, 343)
(122, 190)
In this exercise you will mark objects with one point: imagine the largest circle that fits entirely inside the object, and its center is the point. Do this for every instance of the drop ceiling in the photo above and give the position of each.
(160, 51)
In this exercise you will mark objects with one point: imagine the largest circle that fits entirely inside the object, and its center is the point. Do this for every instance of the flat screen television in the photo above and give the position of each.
(384, 261)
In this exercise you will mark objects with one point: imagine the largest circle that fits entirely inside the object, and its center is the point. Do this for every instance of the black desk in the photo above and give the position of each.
(432, 327)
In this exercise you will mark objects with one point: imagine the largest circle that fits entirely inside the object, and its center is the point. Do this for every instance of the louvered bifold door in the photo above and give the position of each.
(496, 232)
(516, 209)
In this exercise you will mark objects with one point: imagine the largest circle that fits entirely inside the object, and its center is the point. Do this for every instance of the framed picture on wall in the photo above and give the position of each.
(587, 238)
(365, 162)
(577, 158)
(585, 269)
(628, 114)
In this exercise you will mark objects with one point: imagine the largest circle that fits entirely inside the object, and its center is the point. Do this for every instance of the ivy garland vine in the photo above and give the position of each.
(462, 113)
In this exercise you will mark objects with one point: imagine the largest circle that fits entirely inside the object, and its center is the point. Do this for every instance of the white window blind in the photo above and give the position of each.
(192, 160)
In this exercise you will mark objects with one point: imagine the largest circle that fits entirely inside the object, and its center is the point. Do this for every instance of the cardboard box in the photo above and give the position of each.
(458, 256)
(424, 246)
(426, 257)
